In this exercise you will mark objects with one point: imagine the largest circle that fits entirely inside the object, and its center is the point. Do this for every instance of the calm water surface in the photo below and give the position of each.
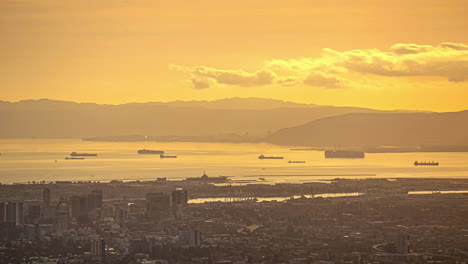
(24, 160)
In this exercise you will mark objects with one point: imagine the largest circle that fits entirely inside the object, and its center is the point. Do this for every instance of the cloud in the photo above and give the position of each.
(235, 77)
(449, 60)
(203, 76)
(402, 49)
(201, 83)
(326, 81)
(288, 81)
(455, 46)
(331, 69)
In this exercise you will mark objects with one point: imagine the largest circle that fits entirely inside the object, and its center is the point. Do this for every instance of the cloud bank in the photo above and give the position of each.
(448, 60)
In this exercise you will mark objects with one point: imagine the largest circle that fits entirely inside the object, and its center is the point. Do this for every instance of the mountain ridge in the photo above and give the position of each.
(246, 116)
(378, 129)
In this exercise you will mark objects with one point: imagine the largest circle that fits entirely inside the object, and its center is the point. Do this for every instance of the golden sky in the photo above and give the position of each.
(394, 54)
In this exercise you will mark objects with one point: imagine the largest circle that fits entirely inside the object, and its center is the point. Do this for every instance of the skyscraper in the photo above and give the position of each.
(403, 243)
(46, 197)
(62, 216)
(15, 212)
(98, 250)
(179, 197)
(34, 213)
(95, 199)
(192, 238)
(3, 211)
(79, 208)
(158, 205)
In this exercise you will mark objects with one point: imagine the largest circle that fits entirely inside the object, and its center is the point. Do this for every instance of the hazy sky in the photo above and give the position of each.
(389, 54)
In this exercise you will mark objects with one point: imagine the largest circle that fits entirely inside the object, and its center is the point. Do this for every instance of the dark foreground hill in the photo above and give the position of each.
(379, 129)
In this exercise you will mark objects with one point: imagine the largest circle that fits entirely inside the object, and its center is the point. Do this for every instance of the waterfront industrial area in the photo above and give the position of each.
(209, 220)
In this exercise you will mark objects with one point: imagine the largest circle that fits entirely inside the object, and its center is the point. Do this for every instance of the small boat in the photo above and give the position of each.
(261, 179)
(73, 158)
(296, 161)
(426, 163)
(149, 151)
(162, 156)
(76, 154)
(269, 157)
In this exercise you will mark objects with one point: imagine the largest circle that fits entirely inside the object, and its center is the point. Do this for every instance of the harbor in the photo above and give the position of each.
(119, 160)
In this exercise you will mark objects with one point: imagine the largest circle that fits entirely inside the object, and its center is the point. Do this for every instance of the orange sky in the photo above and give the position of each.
(334, 52)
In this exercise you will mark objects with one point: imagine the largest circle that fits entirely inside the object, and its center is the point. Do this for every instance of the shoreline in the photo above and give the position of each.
(202, 188)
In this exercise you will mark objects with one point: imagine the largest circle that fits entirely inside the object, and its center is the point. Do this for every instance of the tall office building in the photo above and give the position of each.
(34, 213)
(120, 216)
(79, 208)
(95, 199)
(158, 205)
(15, 212)
(403, 243)
(47, 210)
(3, 211)
(179, 197)
(62, 212)
(192, 238)
(98, 250)
(46, 197)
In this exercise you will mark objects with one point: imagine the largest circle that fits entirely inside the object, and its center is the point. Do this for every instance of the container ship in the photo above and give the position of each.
(268, 157)
(428, 163)
(148, 151)
(344, 154)
(162, 156)
(76, 154)
(74, 158)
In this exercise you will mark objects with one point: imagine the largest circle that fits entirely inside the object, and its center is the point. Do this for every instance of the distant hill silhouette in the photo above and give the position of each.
(256, 116)
(379, 129)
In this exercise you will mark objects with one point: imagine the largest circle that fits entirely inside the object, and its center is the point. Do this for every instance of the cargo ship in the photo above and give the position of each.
(344, 154)
(268, 157)
(428, 163)
(76, 154)
(73, 158)
(162, 156)
(296, 161)
(148, 151)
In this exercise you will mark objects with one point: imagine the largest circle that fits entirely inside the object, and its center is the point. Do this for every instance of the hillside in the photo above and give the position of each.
(379, 129)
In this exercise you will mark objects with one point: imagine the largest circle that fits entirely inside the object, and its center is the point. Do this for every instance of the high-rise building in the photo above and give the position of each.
(158, 205)
(3, 211)
(120, 216)
(62, 223)
(62, 207)
(62, 215)
(79, 208)
(48, 212)
(34, 213)
(46, 197)
(98, 250)
(403, 243)
(179, 197)
(192, 238)
(95, 199)
(15, 213)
